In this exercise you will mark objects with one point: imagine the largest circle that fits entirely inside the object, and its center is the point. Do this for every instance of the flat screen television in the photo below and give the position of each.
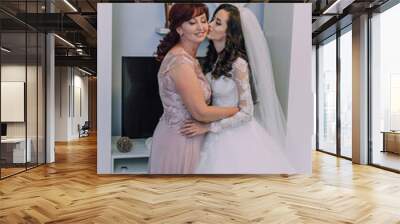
(141, 103)
(3, 129)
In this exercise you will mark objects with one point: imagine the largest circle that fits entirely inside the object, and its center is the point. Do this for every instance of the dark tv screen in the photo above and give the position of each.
(3, 129)
(141, 103)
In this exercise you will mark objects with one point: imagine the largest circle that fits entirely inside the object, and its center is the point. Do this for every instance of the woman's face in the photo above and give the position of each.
(194, 30)
(218, 26)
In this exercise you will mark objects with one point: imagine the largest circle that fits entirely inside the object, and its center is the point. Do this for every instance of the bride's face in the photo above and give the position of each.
(194, 30)
(218, 26)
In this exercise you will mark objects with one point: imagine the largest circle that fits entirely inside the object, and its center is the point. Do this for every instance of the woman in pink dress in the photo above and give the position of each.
(184, 92)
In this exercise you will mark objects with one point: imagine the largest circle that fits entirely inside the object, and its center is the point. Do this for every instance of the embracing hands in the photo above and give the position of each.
(192, 128)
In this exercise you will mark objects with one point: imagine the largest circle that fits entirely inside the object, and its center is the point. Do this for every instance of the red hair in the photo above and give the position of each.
(179, 13)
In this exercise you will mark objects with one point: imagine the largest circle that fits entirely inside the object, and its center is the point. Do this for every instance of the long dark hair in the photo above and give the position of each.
(179, 13)
(234, 46)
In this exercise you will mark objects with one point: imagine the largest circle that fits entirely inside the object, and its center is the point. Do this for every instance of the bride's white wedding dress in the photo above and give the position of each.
(239, 144)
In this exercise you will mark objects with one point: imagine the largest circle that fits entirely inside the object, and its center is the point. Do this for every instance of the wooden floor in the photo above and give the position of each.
(387, 159)
(5, 172)
(70, 191)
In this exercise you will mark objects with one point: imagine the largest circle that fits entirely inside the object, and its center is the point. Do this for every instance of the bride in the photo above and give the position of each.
(241, 144)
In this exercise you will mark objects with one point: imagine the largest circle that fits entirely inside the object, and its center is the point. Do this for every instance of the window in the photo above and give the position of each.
(385, 89)
(327, 96)
(346, 75)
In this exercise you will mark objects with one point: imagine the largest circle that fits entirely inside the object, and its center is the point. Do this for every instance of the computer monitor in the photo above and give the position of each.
(3, 129)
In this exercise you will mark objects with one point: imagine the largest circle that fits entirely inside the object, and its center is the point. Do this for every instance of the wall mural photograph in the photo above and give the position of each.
(206, 88)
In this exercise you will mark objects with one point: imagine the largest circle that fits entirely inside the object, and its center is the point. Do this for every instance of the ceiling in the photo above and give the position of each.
(76, 22)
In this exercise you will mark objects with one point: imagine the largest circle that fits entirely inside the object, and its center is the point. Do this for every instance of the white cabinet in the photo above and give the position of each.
(133, 162)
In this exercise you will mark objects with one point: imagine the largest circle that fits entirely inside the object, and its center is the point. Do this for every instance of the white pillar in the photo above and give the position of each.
(360, 90)
(104, 83)
(50, 99)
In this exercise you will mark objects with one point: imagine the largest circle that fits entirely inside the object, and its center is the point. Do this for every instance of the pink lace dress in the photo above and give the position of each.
(172, 152)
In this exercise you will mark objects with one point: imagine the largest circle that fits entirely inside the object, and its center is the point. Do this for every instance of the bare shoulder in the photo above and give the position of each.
(176, 50)
(179, 52)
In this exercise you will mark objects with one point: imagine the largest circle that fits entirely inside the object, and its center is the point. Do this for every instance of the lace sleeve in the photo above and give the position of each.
(246, 108)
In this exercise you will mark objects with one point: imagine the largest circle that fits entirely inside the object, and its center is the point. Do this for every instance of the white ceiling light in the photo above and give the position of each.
(337, 7)
(84, 71)
(65, 41)
(5, 49)
(70, 5)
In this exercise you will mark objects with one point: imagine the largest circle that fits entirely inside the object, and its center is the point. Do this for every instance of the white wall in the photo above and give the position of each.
(61, 103)
(81, 81)
(131, 36)
(66, 121)
(79, 117)
(13, 101)
(279, 39)
(33, 126)
(288, 32)
(16, 72)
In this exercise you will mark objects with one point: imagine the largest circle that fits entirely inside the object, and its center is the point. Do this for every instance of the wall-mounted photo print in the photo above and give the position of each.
(204, 88)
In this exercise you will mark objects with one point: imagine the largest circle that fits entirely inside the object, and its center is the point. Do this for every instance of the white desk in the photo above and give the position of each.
(19, 153)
